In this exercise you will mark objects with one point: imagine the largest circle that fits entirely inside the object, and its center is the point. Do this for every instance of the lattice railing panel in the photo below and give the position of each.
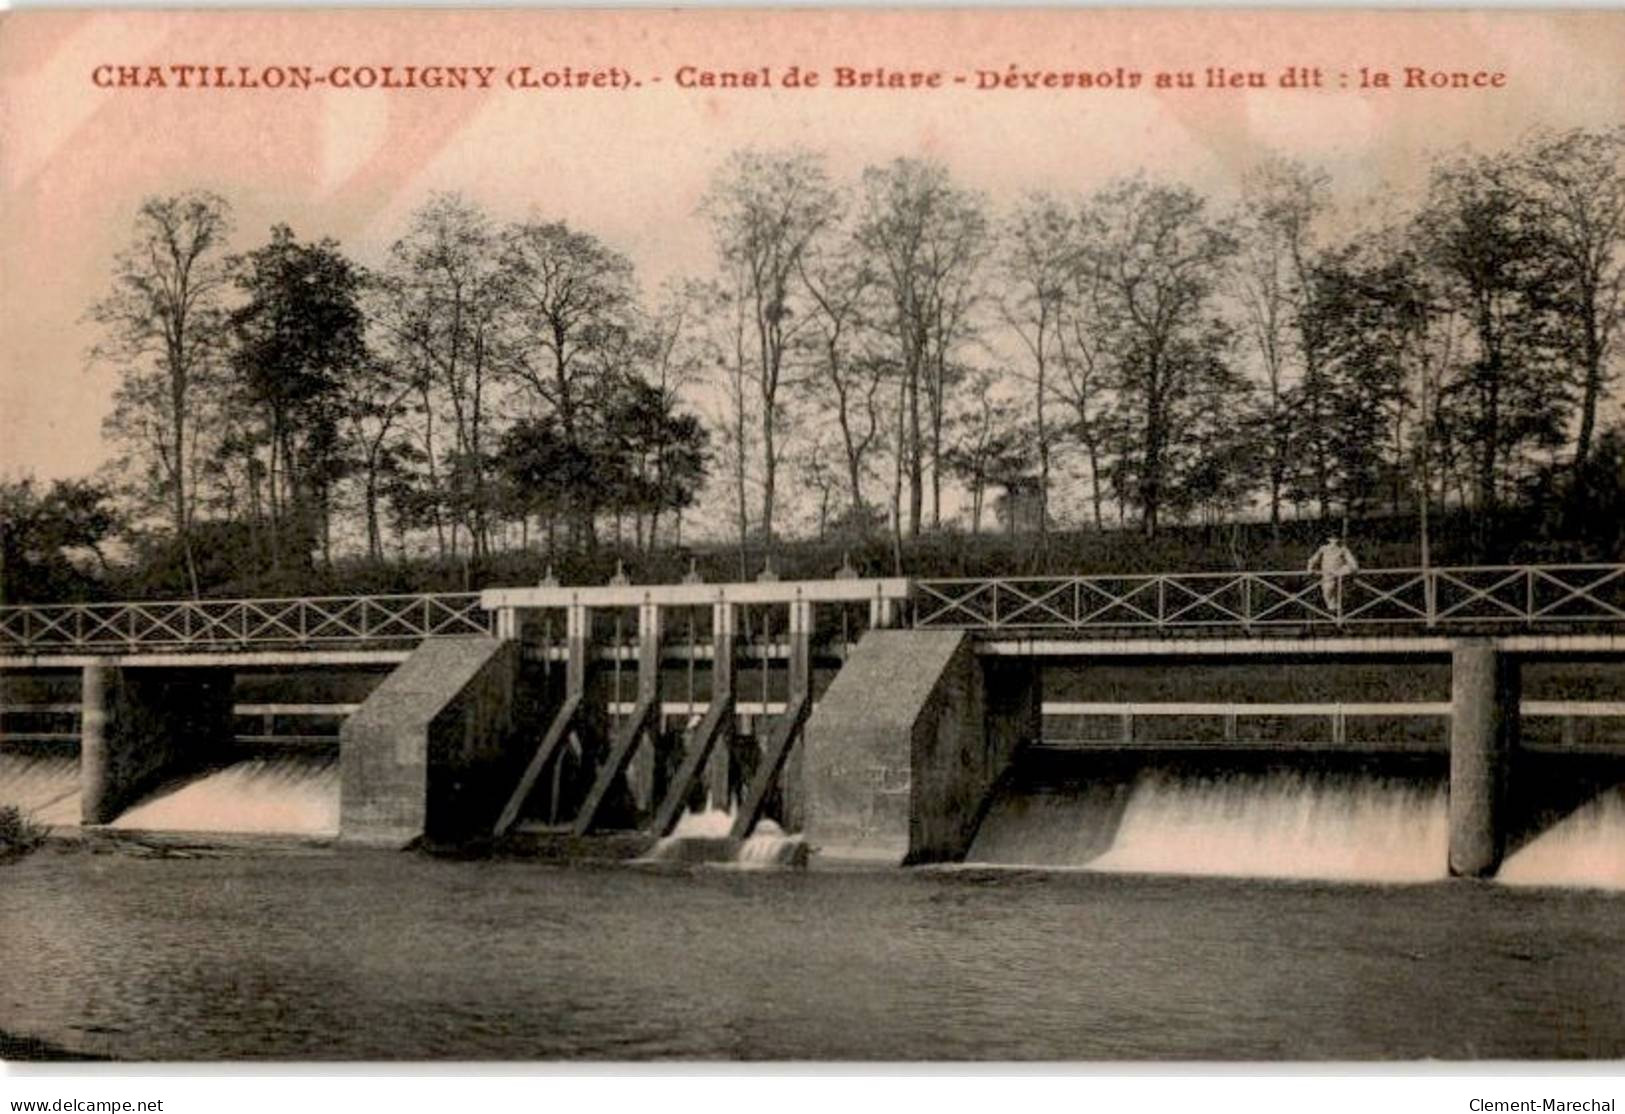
(1530, 596)
(239, 624)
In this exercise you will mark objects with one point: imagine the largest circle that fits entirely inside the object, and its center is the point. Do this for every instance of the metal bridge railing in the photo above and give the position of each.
(1494, 597)
(303, 622)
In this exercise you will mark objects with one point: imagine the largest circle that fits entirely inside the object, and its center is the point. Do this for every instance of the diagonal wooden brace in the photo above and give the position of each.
(557, 732)
(632, 731)
(786, 730)
(717, 725)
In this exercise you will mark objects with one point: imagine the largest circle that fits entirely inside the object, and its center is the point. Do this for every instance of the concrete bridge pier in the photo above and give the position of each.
(140, 726)
(907, 743)
(419, 756)
(1484, 697)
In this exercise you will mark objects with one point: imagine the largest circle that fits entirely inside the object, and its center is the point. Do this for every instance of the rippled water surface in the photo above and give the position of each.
(330, 955)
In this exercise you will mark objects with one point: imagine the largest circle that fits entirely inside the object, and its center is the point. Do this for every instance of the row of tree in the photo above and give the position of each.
(897, 343)
(1181, 360)
(481, 377)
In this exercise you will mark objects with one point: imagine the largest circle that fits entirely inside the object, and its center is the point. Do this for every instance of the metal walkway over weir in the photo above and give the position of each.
(1279, 604)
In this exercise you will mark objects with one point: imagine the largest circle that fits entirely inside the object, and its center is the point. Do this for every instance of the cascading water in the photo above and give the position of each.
(1284, 825)
(291, 794)
(1309, 821)
(698, 834)
(44, 786)
(707, 823)
(1585, 848)
(1271, 823)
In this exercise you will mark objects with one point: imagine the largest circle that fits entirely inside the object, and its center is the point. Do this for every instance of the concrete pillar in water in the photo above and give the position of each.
(1484, 693)
(94, 721)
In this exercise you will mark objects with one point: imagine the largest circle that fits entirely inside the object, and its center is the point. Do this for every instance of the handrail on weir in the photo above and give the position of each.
(305, 622)
(1457, 598)
(1494, 597)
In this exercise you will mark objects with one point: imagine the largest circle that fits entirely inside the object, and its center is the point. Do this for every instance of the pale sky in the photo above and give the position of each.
(76, 160)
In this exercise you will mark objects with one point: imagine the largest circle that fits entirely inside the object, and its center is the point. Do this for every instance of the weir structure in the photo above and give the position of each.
(872, 716)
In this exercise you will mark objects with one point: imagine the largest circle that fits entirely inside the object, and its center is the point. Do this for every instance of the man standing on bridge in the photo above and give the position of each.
(1335, 561)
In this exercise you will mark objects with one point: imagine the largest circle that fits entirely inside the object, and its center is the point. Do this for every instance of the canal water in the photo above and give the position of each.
(1152, 910)
(320, 954)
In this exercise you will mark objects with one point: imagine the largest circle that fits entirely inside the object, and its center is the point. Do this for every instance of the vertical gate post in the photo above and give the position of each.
(507, 623)
(641, 769)
(792, 790)
(718, 768)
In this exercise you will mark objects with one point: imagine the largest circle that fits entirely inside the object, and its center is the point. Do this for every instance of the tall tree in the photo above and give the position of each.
(845, 377)
(1037, 266)
(1479, 232)
(1158, 260)
(1575, 185)
(163, 328)
(925, 238)
(1361, 300)
(444, 313)
(766, 209)
(569, 309)
(1281, 203)
(298, 338)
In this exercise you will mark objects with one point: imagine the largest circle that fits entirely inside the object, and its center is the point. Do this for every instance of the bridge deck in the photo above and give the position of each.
(1528, 608)
(1267, 646)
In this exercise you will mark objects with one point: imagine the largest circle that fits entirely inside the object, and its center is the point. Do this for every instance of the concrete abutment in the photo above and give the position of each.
(903, 749)
(422, 756)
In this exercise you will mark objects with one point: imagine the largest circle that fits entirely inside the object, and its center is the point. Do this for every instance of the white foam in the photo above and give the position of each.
(45, 788)
(1276, 825)
(1585, 848)
(710, 822)
(297, 795)
(1282, 826)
